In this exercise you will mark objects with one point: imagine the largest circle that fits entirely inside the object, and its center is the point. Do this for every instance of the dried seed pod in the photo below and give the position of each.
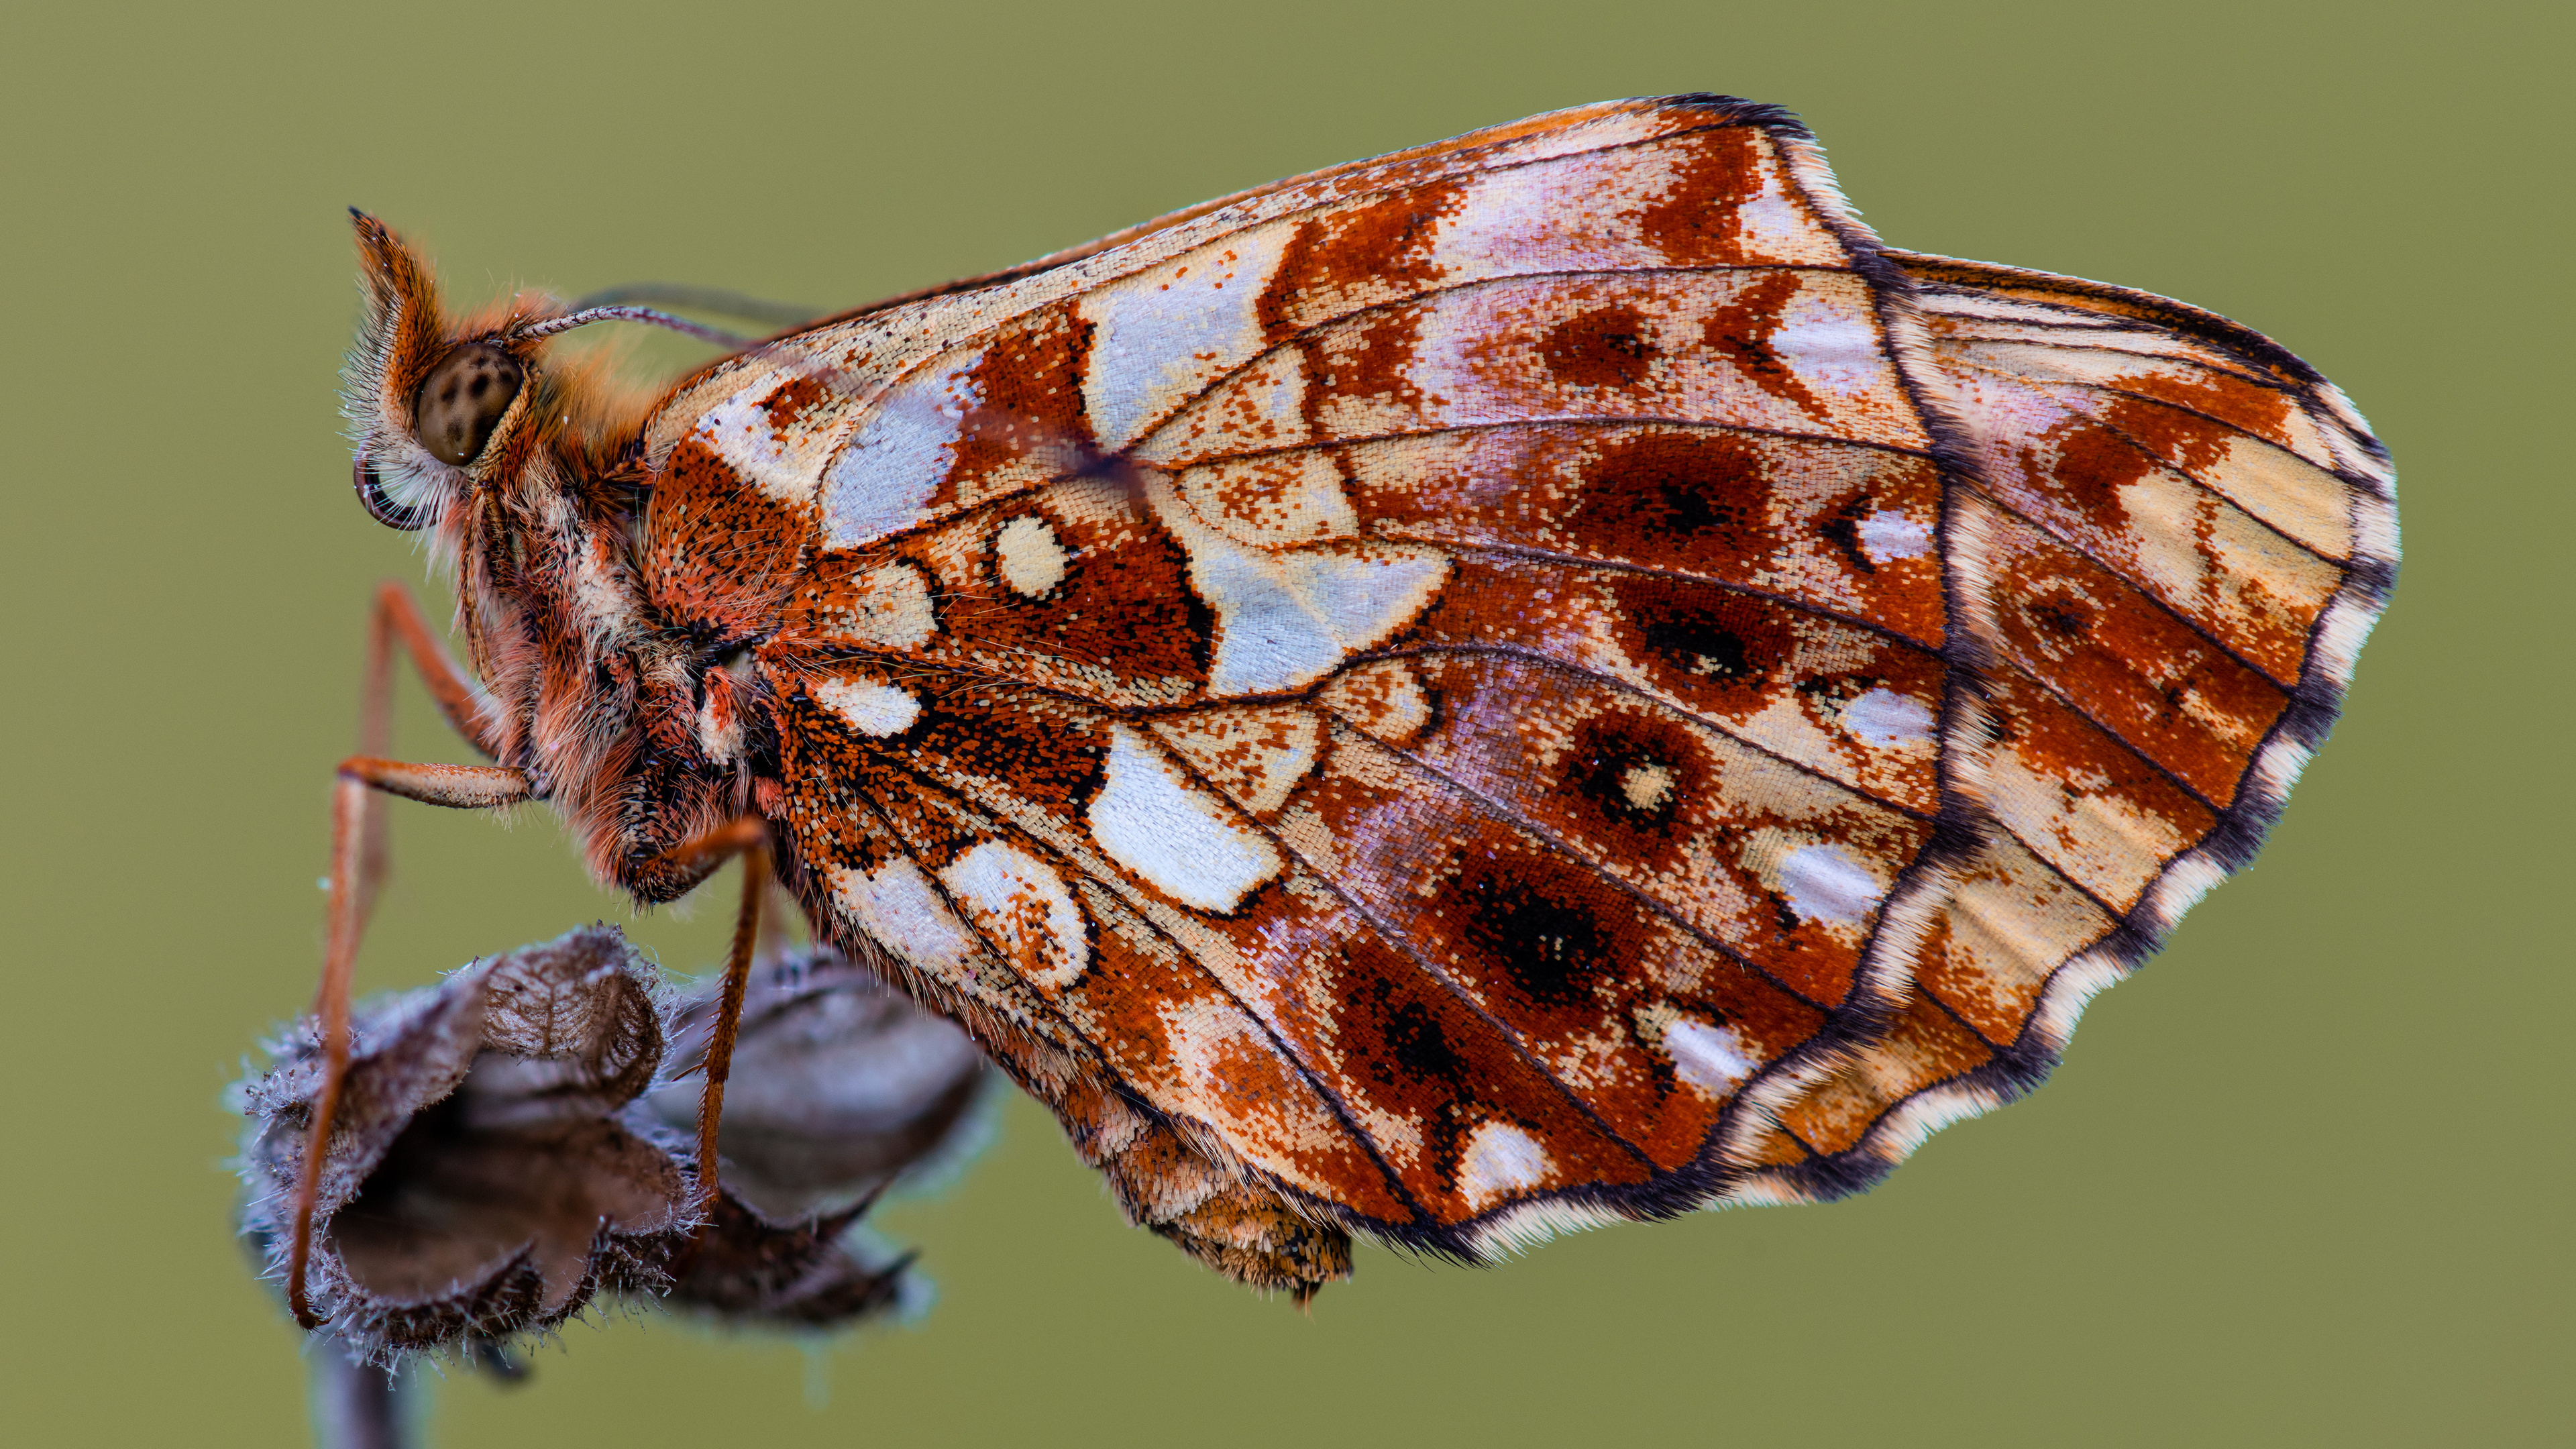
(839, 1085)
(477, 1179)
(745, 1271)
(497, 1160)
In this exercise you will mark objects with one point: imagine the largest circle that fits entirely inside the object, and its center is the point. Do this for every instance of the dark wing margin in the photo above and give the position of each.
(2185, 392)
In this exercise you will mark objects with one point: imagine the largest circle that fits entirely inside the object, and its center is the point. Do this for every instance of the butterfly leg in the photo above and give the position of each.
(397, 620)
(749, 838)
(358, 856)
(463, 787)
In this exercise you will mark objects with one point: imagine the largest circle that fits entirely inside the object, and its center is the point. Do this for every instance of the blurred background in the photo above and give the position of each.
(2304, 1181)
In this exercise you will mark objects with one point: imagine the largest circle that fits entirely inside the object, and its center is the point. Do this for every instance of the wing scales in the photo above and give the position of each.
(2292, 495)
(1169, 1010)
(1841, 530)
(1781, 679)
(1469, 693)
(1569, 964)
(2138, 751)
(1729, 193)
(1501, 1012)
(1707, 828)
(2094, 488)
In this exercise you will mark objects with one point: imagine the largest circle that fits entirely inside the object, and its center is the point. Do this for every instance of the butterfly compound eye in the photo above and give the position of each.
(462, 400)
(379, 503)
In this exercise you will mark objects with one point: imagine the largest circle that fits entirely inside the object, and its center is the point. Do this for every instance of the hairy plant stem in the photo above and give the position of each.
(360, 1406)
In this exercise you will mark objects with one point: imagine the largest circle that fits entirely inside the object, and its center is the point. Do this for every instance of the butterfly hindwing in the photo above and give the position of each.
(1535, 680)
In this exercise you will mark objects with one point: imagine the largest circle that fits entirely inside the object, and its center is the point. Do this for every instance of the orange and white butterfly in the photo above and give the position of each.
(1542, 679)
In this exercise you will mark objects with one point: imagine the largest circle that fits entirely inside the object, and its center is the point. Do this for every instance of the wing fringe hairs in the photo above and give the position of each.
(2354, 458)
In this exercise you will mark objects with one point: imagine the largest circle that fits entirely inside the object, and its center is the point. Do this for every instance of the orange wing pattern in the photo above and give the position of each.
(2178, 536)
(1542, 679)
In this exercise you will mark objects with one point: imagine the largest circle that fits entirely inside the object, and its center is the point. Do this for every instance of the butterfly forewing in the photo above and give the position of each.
(1522, 682)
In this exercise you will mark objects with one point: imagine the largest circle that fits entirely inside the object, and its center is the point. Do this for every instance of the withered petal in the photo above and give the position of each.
(746, 1270)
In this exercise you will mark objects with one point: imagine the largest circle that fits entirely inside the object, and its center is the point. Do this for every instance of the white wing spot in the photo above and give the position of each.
(1711, 1058)
(738, 430)
(1187, 843)
(1266, 639)
(1823, 884)
(1888, 535)
(1500, 1159)
(1027, 906)
(872, 706)
(1366, 592)
(896, 461)
(1283, 623)
(1831, 347)
(1285, 620)
(1163, 334)
(890, 605)
(1884, 718)
(1031, 557)
(898, 908)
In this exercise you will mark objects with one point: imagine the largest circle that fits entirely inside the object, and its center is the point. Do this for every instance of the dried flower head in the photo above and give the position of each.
(477, 1179)
(839, 1086)
(497, 1161)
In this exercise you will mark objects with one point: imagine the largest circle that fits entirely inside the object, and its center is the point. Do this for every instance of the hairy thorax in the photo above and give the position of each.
(638, 724)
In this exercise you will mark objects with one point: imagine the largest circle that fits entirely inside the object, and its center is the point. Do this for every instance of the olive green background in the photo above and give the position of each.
(2305, 1181)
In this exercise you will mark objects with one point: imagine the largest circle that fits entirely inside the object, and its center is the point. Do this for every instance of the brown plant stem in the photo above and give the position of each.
(360, 1406)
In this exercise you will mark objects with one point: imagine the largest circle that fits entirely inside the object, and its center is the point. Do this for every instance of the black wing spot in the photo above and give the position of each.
(1554, 950)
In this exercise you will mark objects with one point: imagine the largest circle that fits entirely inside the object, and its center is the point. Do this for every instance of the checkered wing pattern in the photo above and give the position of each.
(1542, 679)
(2170, 538)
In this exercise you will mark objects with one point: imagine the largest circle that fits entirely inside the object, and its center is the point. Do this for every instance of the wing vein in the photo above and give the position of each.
(2177, 781)
(2162, 605)
(1951, 353)
(2342, 565)
(1332, 1100)
(1101, 246)
(1609, 566)
(1513, 651)
(1286, 340)
(1576, 420)
(1504, 813)
(1404, 944)
(2110, 911)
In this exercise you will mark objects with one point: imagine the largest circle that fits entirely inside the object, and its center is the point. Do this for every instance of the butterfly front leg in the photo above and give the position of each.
(396, 619)
(358, 858)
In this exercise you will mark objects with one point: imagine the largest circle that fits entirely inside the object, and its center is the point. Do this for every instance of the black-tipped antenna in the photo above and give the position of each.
(703, 299)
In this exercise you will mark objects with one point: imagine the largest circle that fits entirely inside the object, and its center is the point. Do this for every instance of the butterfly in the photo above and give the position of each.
(1543, 679)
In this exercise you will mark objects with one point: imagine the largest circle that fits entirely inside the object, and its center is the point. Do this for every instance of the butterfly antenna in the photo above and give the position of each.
(703, 299)
(587, 315)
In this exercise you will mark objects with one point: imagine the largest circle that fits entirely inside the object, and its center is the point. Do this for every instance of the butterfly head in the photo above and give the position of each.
(442, 405)
(434, 402)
